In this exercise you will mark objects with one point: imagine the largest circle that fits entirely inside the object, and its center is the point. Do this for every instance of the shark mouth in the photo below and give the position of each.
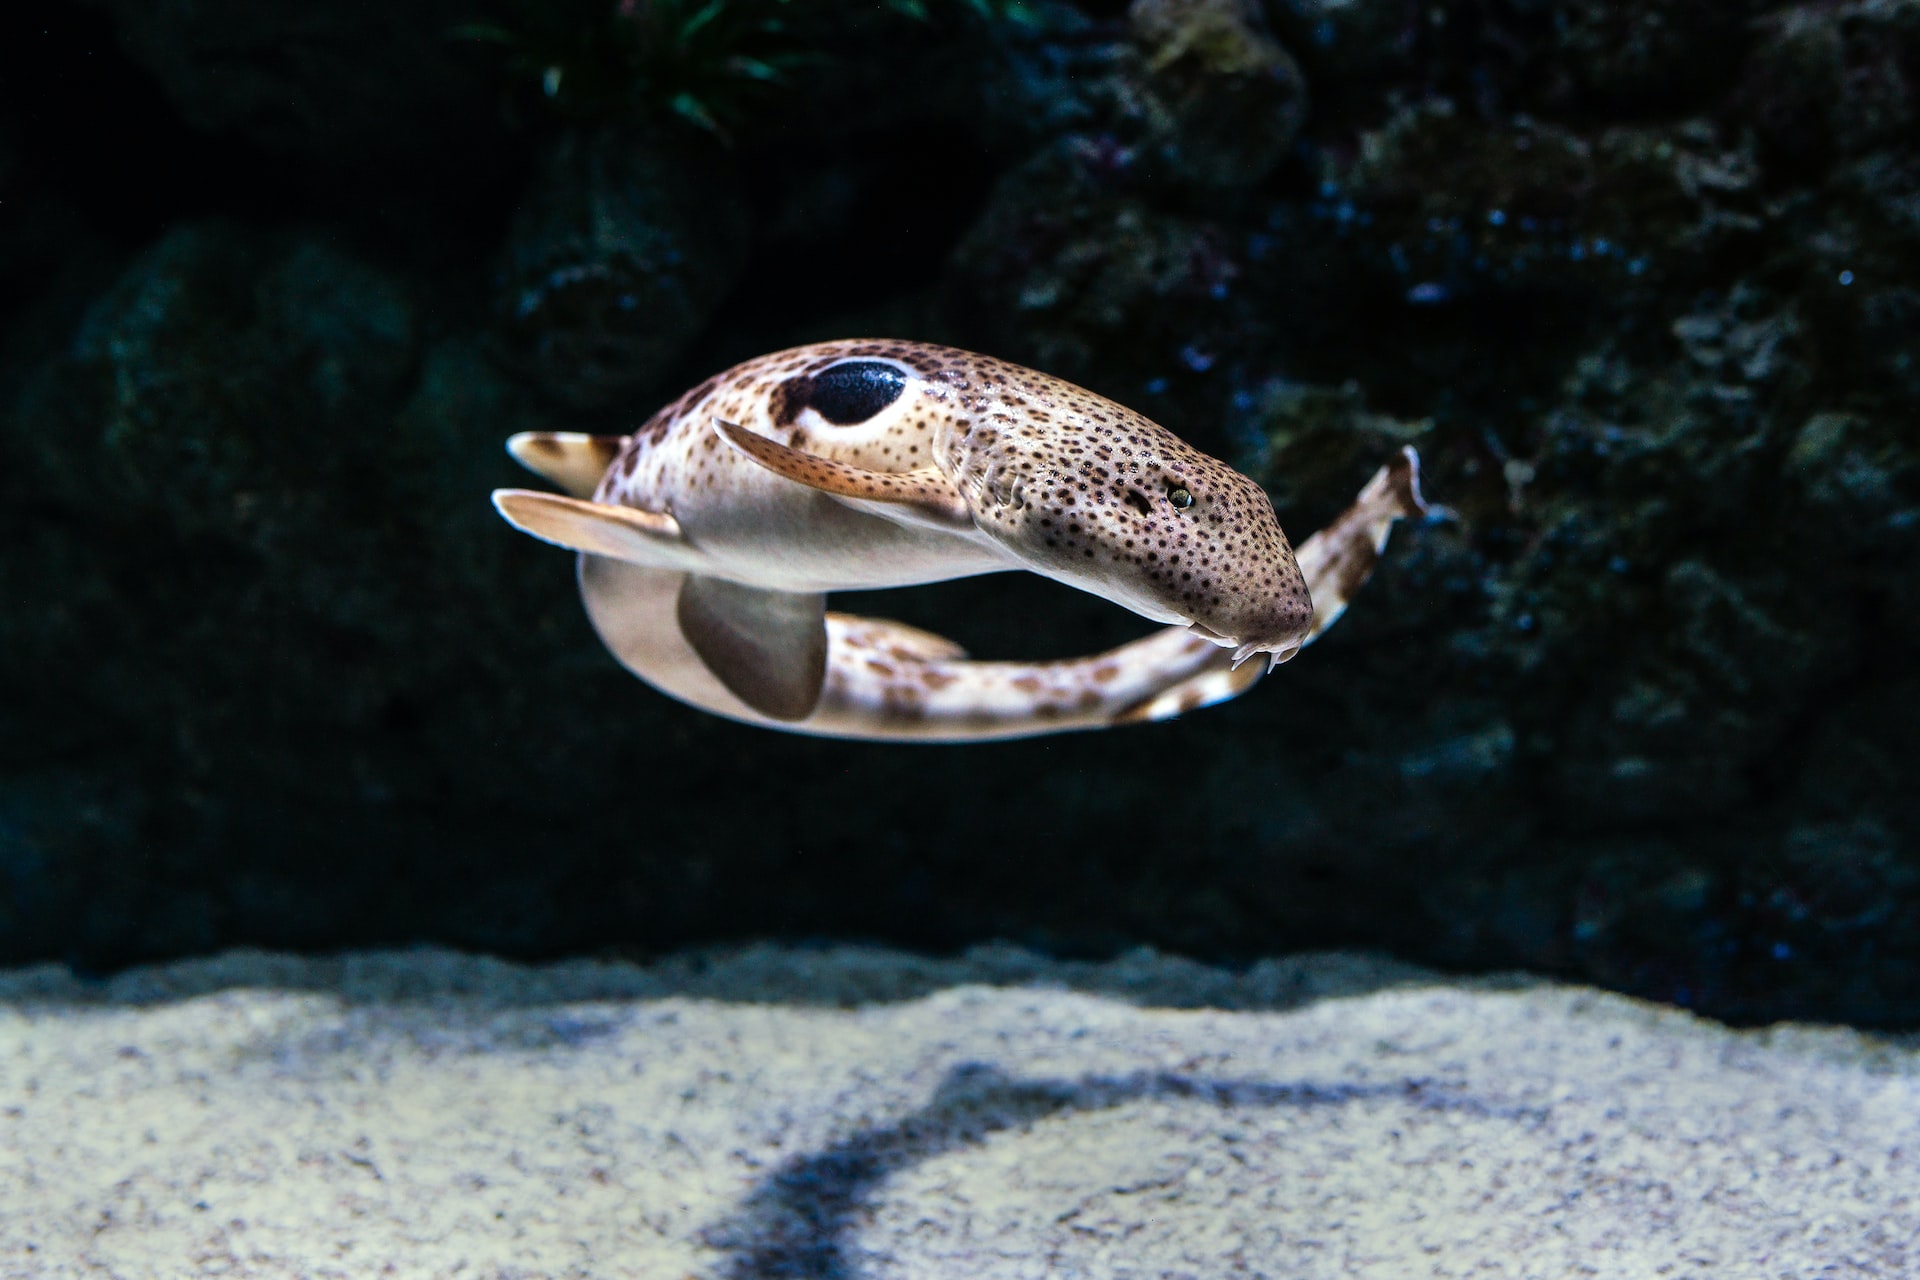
(1243, 652)
(1274, 656)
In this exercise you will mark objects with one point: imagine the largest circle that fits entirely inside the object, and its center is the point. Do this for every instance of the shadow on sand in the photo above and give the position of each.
(800, 1220)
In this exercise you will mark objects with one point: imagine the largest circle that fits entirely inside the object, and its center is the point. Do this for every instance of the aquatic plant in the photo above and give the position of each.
(710, 63)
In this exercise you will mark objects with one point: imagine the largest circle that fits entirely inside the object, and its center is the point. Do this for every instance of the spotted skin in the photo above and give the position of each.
(984, 466)
(1057, 480)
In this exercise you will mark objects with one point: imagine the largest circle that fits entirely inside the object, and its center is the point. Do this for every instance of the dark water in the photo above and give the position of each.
(1640, 279)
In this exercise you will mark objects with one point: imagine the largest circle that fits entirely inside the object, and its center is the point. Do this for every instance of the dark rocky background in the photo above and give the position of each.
(1642, 280)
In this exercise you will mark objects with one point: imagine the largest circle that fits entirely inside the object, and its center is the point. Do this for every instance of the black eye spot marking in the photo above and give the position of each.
(1179, 495)
(1138, 501)
(789, 398)
(853, 392)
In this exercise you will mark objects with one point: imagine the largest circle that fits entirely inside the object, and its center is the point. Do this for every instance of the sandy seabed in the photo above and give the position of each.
(850, 1112)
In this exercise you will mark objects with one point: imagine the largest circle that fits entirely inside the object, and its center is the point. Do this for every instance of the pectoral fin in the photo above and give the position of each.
(570, 459)
(768, 647)
(624, 533)
(924, 496)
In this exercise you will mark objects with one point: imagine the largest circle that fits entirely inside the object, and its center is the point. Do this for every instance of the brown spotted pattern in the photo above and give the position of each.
(888, 682)
(1060, 480)
(883, 681)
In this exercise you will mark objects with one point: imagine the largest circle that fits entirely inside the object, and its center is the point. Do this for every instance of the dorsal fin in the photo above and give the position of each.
(924, 496)
(768, 647)
(570, 459)
(625, 533)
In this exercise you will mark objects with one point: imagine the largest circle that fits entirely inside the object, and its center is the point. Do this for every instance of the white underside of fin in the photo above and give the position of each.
(602, 529)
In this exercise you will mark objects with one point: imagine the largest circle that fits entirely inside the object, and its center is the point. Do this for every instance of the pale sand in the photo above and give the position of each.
(429, 1114)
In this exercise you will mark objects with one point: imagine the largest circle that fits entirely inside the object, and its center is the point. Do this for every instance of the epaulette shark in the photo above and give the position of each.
(710, 537)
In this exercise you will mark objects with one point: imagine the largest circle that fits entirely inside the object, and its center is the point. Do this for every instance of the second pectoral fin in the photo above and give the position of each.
(769, 648)
(924, 496)
(570, 459)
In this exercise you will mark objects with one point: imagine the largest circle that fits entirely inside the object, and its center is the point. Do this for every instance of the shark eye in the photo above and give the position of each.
(853, 392)
(1180, 496)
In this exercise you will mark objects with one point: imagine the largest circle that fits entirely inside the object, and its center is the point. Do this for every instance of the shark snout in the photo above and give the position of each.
(1279, 629)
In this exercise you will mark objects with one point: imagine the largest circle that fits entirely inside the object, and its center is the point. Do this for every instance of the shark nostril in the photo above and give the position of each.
(1138, 501)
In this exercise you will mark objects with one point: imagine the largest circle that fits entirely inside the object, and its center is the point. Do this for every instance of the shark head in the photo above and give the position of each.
(1061, 481)
(1090, 493)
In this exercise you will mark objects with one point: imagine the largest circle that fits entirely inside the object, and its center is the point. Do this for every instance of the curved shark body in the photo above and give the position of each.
(709, 538)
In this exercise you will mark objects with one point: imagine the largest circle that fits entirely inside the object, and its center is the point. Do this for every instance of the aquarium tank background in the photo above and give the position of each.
(1640, 280)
